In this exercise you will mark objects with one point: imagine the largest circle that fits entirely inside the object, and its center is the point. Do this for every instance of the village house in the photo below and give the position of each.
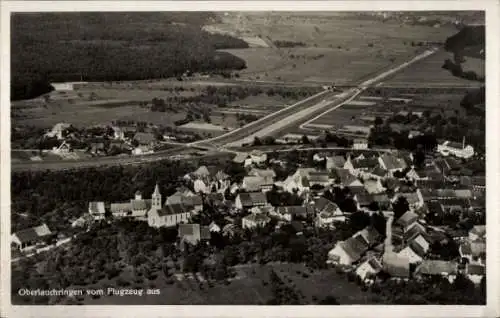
(392, 163)
(318, 178)
(376, 173)
(359, 144)
(327, 213)
(414, 199)
(369, 268)
(335, 162)
(249, 200)
(320, 157)
(214, 227)
(456, 149)
(473, 252)
(145, 139)
(383, 201)
(255, 220)
(241, 158)
(256, 157)
(478, 232)
(97, 210)
(407, 220)
(30, 238)
(374, 186)
(136, 207)
(441, 268)
(58, 131)
(290, 213)
(267, 174)
(193, 234)
(348, 252)
(118, 133)
(345, 178)
(475, 272)
(361, 167)
(255, 184)
(63, 148)
(178, 196)
(412, 252)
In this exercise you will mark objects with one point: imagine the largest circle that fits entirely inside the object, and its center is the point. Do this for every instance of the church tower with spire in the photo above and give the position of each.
(156, 198)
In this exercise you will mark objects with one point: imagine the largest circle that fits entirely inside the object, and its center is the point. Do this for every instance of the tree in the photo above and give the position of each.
(400, 207)
(257, 141)
(329, 300)
(305, 139)
(379, 121)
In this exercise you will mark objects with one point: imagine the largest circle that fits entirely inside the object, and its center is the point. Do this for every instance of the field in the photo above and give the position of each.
(429, 73)
(250, 287)
(337, 48)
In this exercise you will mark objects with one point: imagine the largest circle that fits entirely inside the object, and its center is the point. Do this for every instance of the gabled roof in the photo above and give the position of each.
(264, 173)
(253, 183)
(373, 186)
(364, 198)
(414, 231)
(370, 234)
(436, 267)
(391, 162)
(295, 210)
(355, 247)
(172, 209)
(195, 230)
(479, 230)
(476, 248)
(33, 234)
(216, 197)
(368, 163)
(240, 157)
(318, 176)
(96, 207)
(408, 218)
(324, 205)
(411, 197)
(378, 171)
(121, 207)
(344, 176)
(338, 161)
(202, 172)
(455, 202)
(476, 269)
(381, 198)
(192, 200)
(140, 204)
(252, 198)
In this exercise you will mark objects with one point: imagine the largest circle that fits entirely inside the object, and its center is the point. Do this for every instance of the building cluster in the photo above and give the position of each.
(374, 181)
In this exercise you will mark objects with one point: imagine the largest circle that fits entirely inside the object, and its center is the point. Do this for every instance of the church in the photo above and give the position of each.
(168, 215)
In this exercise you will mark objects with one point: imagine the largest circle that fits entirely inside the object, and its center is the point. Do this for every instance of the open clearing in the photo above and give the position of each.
(251, 287)
(429, 73)
(337, 48)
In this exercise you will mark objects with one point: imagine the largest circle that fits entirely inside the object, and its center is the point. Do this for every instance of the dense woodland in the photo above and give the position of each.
(109, 46)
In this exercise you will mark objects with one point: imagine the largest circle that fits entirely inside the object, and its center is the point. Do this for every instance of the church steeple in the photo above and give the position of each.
(156, 198)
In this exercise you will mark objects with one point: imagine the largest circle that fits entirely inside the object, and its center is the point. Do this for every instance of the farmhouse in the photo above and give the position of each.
(145, 139)
(360, 144)
(58, 130)
(445, 269)
(250, 199)
(391, 163)
(345, 178)
(137, 207)
(335, 162)
(290, 213)
(348, 252)
(475, 272)
(254, 220)
(370, 267)
(29, 238)
(96, 210)
(193, 233)
(327, 213)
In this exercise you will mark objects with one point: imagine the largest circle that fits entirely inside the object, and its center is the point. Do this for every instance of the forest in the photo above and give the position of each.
(112, 46)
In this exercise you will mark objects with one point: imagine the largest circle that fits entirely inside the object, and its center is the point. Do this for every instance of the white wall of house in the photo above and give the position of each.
(408, 253)
(339, 252)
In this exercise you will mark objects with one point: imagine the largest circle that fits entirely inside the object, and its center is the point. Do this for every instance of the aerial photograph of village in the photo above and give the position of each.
(248, 158)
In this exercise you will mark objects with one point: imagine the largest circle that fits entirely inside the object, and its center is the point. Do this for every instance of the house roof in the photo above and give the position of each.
(344, 176)
(374, 264)
(121, 207)
(364, 198)
(378, 171)
(144, 138)
(411, 197)
(373, 186)
(338, 161)
(392, 183)
(318, 176)
(476, 248)
(381, 198)
(203, 232)
(294, 209)
(367, 163)
(96, 207)
(476, 269)
(392, 162)
(253, 183)
(324, 205)
(202, 172)
(249, 199)
(408, 218)
(479, 181)
(414, 231)
(216, 197)
(370, 234)
(436, 267)
(264, 173)
(192, 200)
(455, 202)
(140, 204)
(479, 230)
(171, 209)
(33, 233)
(240, 157)
(355, 247)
